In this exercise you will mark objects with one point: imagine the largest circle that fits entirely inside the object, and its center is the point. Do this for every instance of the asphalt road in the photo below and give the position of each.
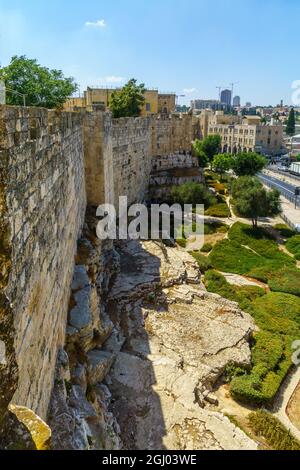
(286, 189)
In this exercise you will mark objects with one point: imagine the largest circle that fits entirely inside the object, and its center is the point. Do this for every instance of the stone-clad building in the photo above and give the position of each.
(155, 102)
(246, 134)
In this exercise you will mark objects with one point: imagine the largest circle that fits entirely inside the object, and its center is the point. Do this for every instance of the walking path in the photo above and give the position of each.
(289, 214)
(285, 394)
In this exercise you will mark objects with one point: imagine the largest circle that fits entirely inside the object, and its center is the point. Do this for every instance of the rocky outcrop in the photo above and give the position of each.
(146, 344)
(79, 414)
(177, 341)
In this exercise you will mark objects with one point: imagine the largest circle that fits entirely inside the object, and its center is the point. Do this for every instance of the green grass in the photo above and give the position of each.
(250, 252)
(293, 246)
(263, 424)
(203, 261)
(207, 247)
(278, 317)
(218, 210)
(215, 227)
(285, 280)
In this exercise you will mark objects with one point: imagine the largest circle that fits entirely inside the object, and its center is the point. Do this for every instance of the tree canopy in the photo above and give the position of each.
(207, 148)
(43, 87)
(291, 123)
(248, 163)
(222, 162)
(128, 101)
(191, 193)
(252, 200)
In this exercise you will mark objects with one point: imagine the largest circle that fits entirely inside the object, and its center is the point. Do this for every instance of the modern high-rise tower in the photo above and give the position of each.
(226, 96)
(236, 102)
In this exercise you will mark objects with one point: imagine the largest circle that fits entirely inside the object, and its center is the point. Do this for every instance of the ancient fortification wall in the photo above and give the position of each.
(51, 164)
(42, 179)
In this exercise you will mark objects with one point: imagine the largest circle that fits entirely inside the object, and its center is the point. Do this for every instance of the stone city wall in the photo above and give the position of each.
(51, 165)
(42, 209)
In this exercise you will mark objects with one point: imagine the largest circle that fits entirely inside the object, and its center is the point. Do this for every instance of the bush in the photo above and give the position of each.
(202, 261)
(284, 230)
(218, 210)
(285, 280)
(223, 229)
(192, 193)
(278, 313)
(278, 317)
(215, 227)
(207, 247)
(250, 252)
(276, 435)
(293, 246)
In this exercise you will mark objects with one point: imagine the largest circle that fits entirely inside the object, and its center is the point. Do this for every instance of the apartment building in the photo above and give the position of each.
(155, 102)
(247, 134)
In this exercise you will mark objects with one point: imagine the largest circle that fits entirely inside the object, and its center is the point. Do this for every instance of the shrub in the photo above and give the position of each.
(202, 261)
(215, 227)
(276, 435)
(231, 257)
(285, 280)
(278, 313)
(223, 229)
(278, 317)
(250, 252)
(207, 247)
(293, 246)
(192, 193)
(284, 230)
(218, 210)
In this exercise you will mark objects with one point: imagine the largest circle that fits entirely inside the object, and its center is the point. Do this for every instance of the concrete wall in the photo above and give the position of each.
(43, 192)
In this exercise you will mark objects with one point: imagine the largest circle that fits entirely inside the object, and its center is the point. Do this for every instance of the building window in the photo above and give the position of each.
(148, 107)
(269, 141)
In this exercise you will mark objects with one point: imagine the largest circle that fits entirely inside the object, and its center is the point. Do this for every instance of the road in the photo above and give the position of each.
(286, 189)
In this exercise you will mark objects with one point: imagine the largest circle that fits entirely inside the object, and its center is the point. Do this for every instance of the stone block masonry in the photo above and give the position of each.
(131, 141)
(52, 164)
(42, 210)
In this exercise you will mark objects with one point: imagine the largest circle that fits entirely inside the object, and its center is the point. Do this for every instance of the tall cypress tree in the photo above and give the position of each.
(291, 123)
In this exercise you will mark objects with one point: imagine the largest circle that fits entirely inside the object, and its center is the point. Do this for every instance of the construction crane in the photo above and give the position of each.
(232, 87)
(219, 88)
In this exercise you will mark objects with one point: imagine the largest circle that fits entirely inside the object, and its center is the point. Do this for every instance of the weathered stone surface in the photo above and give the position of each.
(99, 364)
(80, 420)
(178, 343)
(39, 430)
(45, 205)
(89, 324)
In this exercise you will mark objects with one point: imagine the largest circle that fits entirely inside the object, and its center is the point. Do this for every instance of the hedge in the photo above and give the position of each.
(218, 210)
(278, 317)
(276, 435)
(293, 246)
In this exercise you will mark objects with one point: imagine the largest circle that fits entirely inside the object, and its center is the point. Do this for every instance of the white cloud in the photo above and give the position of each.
(95, 24)
(112, 79)
(189, 91)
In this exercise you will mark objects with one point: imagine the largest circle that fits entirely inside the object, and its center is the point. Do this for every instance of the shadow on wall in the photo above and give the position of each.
(136, 405)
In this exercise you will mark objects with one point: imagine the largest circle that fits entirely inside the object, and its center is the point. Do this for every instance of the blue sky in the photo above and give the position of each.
(186, 46)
